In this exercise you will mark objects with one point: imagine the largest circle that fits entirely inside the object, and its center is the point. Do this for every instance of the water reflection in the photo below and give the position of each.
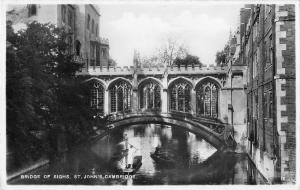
(196, 161)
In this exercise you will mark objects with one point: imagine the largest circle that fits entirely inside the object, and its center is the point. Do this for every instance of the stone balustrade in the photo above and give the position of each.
(97, 70)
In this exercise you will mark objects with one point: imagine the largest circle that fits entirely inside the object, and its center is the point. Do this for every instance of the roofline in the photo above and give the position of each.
(95, 9)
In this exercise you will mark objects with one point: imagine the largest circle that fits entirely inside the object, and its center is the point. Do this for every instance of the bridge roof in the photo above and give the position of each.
(116, 71)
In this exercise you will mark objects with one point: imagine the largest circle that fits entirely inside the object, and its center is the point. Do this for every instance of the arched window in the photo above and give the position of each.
(63, 13)
(93, 23)
(88, 22)
(96, 29)
(97, 97)
(207, 99)
(120, 96)
(150, 95)
(180, 96)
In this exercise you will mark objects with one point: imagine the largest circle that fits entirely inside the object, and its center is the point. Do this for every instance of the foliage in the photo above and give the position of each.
(222, 56)
(41, 88)
(165, 55)
(112, 62)
(188, 60)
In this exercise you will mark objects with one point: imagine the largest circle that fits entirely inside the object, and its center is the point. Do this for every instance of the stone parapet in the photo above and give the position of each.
(152, 70)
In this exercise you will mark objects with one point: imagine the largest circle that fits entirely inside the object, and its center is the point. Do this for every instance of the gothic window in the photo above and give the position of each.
(96, 29)
(93, 23)
(31, 10)
(104, 53)
(63, 13)
(70, 18)
(150, 95)
(268, 9)
(180, 96)
(268, 101)
(97, 97)
(207, 99)
(120, 96)
(254, 66)
(88, 22)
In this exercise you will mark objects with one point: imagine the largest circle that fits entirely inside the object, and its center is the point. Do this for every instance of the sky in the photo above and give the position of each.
(204, 29)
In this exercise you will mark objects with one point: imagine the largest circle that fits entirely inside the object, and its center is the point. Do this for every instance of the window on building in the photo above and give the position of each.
(207, 99)
(268, 9)
(96, 29)
(63, 13)
(88, 22)
(93, 25)
(270, 111)
(70, 18)
(268, 101)
(254, 65)
(180, 97)
(270, 53)
(150, 95)
(93, 54)
(120, 96)
(104, 53)
(31, 10)
(97, 97)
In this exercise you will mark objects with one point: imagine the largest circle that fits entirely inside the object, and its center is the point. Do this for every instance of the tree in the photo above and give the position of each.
(166, 54)
(112, 62)
(42, 91)
(170, 51)
(188, 60)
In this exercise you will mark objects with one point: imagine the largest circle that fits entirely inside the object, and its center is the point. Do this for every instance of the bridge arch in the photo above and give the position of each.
(208, 97)
(215, 139)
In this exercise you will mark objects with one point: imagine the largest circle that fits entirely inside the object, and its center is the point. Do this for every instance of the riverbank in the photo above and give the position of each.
(44, 161)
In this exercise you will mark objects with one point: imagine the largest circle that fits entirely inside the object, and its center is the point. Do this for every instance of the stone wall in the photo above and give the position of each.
(285, 84)
(271, 92)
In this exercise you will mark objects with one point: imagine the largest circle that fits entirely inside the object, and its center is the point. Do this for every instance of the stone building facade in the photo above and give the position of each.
(267, 36)
(81, 21)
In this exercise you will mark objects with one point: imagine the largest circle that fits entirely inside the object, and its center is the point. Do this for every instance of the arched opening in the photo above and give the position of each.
(180, 96)
(120, 96)
(150, 97)
(207, 99)
(97, 97)
(201, 130)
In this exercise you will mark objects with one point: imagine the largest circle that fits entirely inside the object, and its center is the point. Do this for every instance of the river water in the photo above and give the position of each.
(100, 162)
